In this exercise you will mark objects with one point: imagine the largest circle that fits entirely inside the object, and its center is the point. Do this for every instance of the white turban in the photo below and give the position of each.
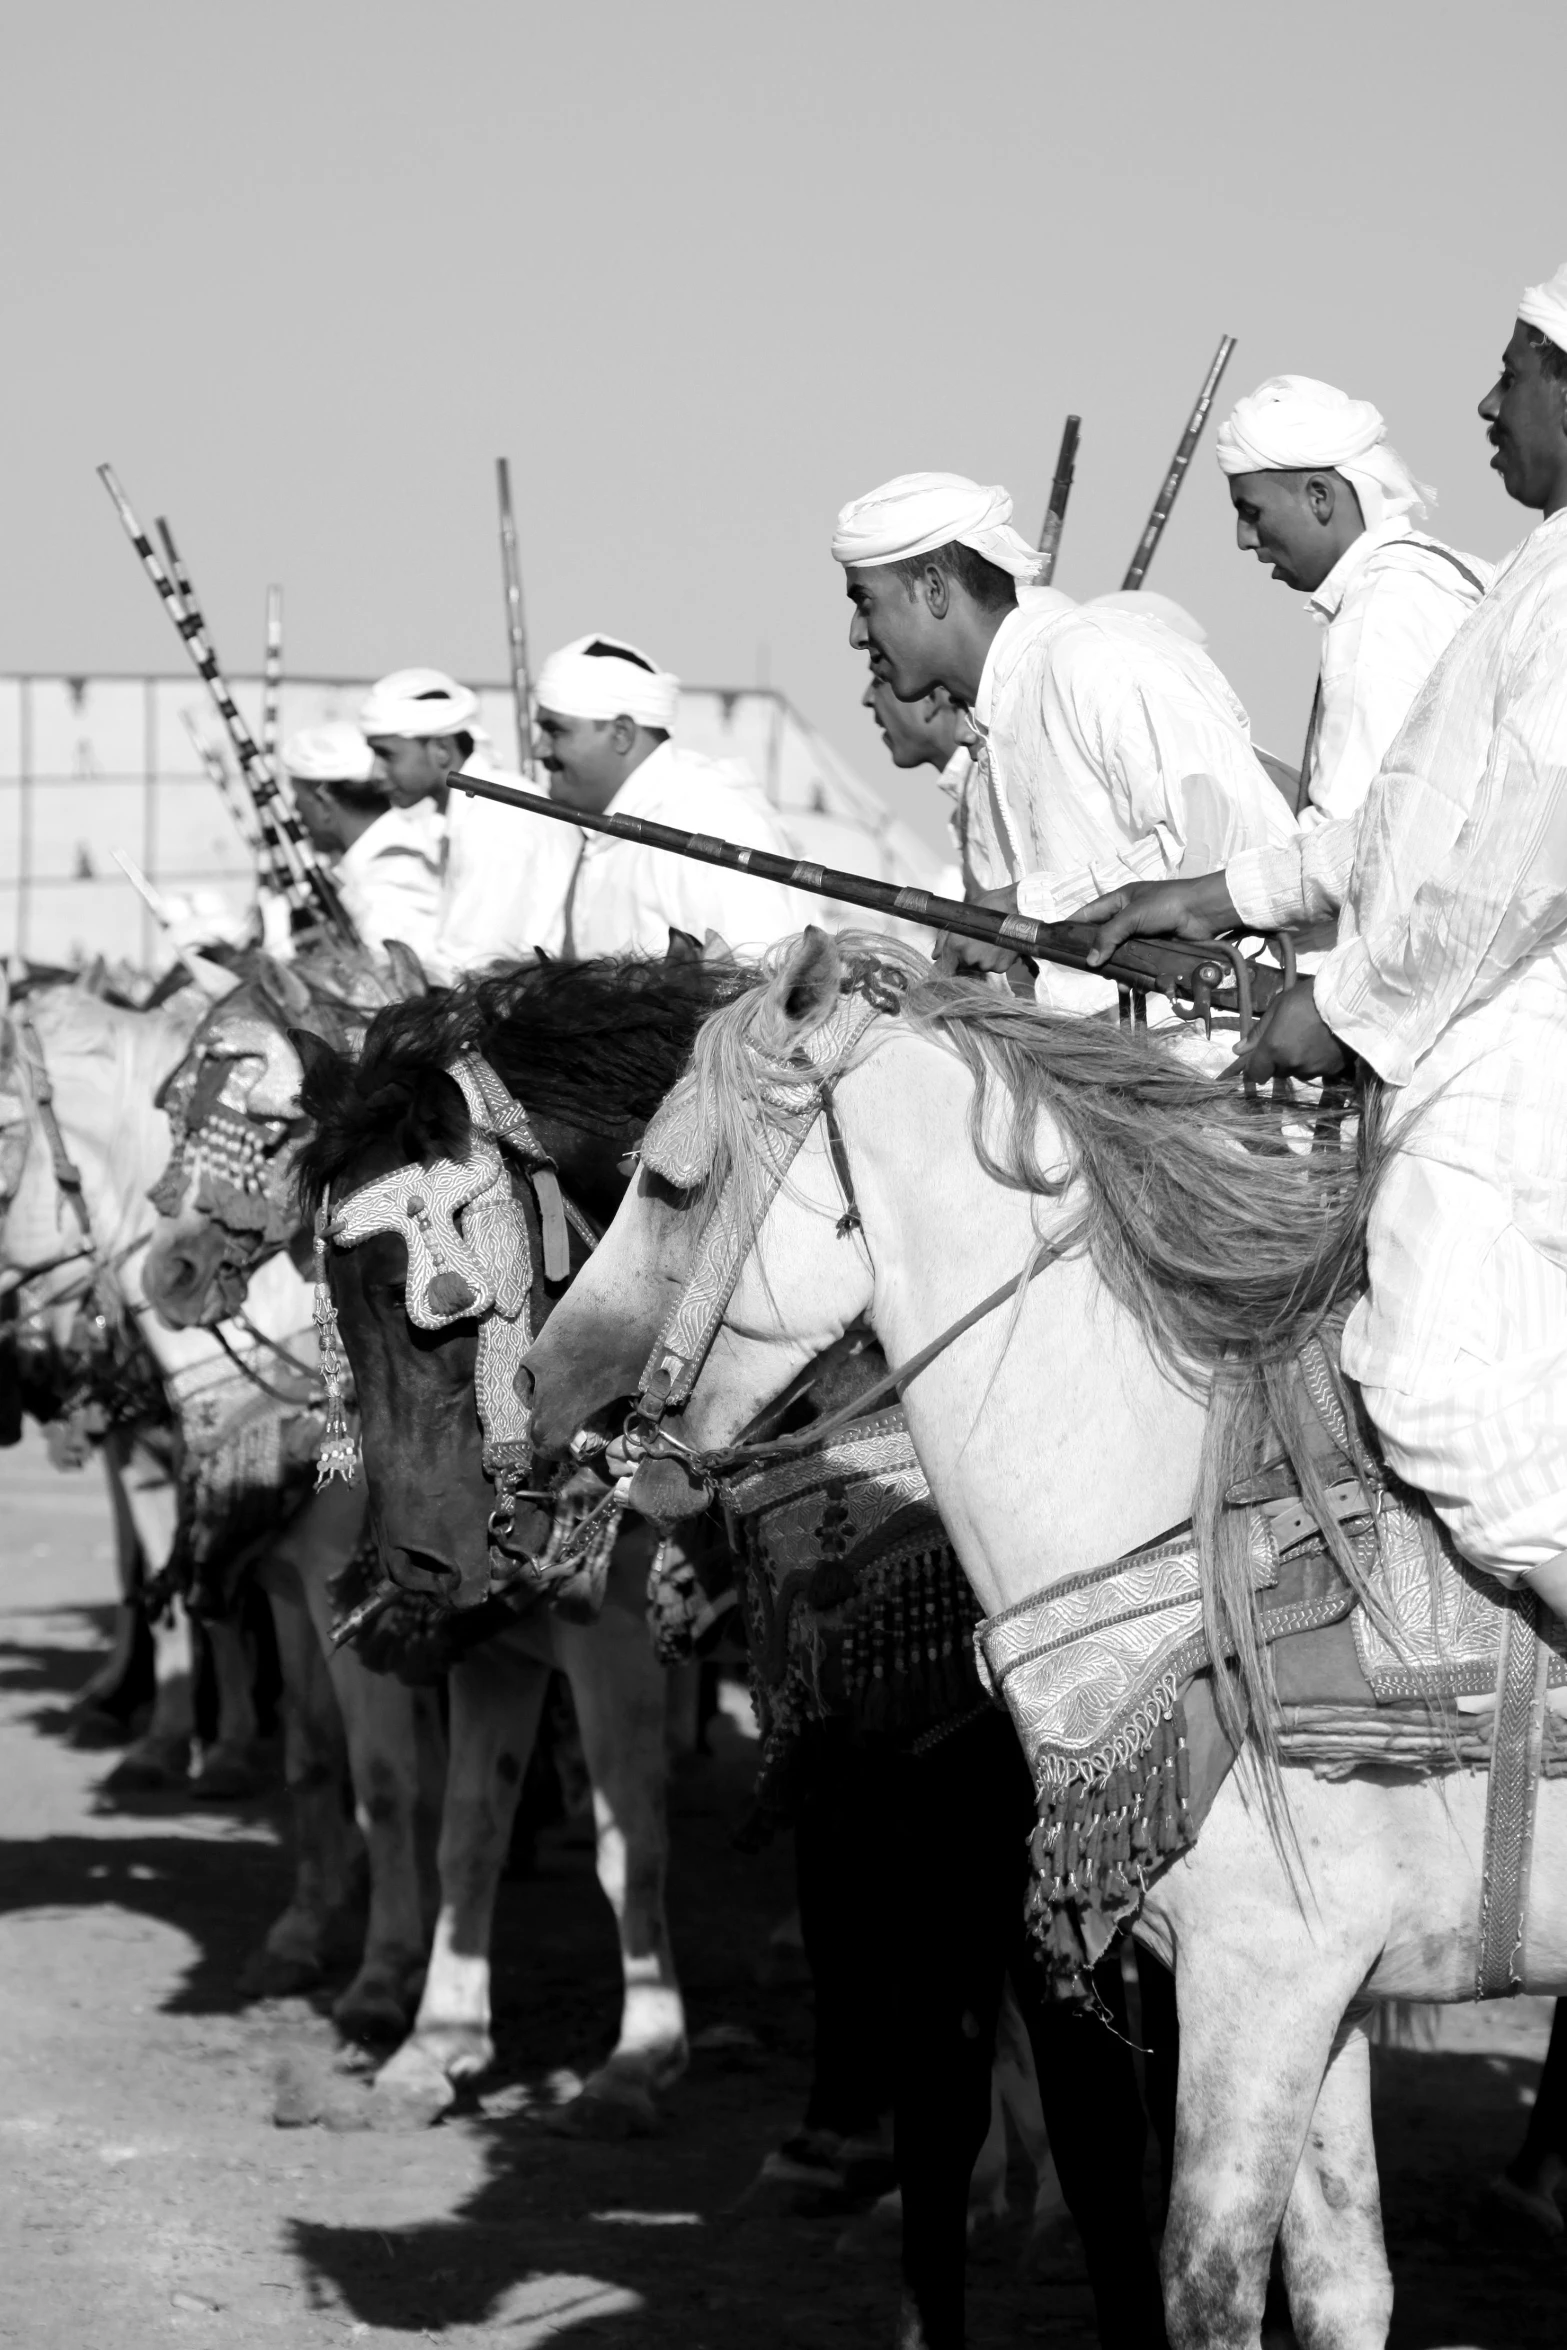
(618, 682)
(921, 511)
(1292, 423)
(419, 703)
(1545, 307)
(337, 753)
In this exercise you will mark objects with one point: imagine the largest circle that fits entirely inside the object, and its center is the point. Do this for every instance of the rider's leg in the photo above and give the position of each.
(1460, 1348)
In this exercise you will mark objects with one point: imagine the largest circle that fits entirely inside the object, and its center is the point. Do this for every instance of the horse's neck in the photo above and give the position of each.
(1053, 1444)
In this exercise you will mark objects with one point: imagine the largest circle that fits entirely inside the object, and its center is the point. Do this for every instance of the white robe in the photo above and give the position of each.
(1450, 978)
(506, 879)
(1110, 750)
(390, 878)
(625, 899)
(1388, 610)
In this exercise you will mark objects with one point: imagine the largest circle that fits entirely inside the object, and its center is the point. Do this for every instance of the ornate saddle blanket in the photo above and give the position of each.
(854, 1603)
(1104, 1675)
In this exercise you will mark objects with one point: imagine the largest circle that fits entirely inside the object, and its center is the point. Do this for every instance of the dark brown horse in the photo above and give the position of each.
(589, 1051)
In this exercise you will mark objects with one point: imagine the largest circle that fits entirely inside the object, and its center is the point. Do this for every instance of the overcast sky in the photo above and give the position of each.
(704, 271)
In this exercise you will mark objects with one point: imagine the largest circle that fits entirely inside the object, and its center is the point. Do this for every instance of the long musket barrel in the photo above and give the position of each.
(272, 674)
(310, 887)
(1195, 973)
(1178, 464)
(1060, 491)
(516, 632)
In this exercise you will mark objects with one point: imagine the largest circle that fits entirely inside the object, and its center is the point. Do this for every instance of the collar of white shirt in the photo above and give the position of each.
(1011, 640)
(1326, 600)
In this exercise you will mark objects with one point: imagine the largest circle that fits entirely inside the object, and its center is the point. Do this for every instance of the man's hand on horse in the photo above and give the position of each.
(1159, 909)
(1292, 1040)
(954, 953)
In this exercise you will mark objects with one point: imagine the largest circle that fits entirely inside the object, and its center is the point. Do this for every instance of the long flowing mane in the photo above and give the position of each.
(1228, 1245)
(594, 1046)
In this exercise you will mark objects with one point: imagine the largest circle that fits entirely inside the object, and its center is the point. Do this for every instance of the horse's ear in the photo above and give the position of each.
(800, 996)
(284, 984)
(407, 971)
(719, 953)
(683, 948)
(316, 1056)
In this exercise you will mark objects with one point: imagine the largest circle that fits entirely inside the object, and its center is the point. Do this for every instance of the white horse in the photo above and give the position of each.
(104, 1065)
(1059, 1433)
(496, 1692)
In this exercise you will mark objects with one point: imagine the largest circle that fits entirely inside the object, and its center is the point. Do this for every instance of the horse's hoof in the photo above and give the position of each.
(413, 2089)
(150, 1770)
(1539, 2212)
(227, 1775)
(91, 1728)
(277, 1974)
(370, 2011)
(609, 2109)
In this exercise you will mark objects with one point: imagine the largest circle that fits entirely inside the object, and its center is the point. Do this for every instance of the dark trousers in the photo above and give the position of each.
(913, 1870)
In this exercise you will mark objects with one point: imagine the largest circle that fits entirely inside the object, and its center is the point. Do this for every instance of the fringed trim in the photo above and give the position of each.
(1099, 1842)
(1058, 1771)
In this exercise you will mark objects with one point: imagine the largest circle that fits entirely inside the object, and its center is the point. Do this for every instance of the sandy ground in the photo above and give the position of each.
(146, 2196)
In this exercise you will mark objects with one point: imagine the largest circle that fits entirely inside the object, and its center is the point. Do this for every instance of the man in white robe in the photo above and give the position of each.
(930, 733)
(506, 873)
(1449, 979)
(388, 859)
(1321, 497)
(1108, 746)
(604, 719)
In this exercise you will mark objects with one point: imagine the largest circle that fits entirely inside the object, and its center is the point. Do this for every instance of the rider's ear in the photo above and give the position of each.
(800, 996)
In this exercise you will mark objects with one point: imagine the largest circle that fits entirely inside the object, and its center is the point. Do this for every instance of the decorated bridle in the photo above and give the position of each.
(470, 1258)
(233, 1108)
(678, 1149)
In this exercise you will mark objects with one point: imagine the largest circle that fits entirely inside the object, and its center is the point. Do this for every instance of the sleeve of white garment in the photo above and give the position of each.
(1453, 900)
(1122, 737)
(397, 895)
(747, 912)
(1299, 882)
(1406, 620)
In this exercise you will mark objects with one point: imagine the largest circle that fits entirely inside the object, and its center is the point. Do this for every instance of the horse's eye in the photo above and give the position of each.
(393, 1294)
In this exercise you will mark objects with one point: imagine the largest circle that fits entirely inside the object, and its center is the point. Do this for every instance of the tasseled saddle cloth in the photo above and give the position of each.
(1108, 1675)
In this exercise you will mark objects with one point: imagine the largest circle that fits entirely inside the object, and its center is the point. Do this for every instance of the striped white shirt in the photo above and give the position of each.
(1450, 978)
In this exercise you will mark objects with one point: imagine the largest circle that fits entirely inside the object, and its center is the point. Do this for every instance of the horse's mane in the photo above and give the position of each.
(594, 1046)
(1229, 1247)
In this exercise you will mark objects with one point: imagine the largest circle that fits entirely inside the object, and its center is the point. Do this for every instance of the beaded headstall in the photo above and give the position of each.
(231, 1105)
(469, 1259)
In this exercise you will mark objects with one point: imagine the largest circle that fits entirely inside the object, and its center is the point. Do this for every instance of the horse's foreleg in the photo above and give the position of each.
(497, 1693)
(380, 1718)
(1335, 2262)
(228, 1767)
(160, 1757)
(618, 1688)
(295, 1951)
